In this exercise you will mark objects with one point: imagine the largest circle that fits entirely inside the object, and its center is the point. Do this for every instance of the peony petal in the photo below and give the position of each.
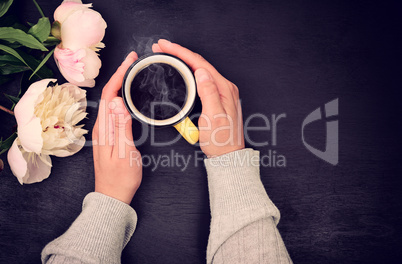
(29, 128)
(82, 29)
(30, 135)
(71, 149)
(24, 110)
(39, 169)
(87, 83)
(70, 64)
(78, 116)
(92, 64)
(28, 167)
(67, 8)
(17, 162)
(79, 95)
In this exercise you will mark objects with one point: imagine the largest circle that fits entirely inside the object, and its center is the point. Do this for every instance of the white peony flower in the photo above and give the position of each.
(47, 117)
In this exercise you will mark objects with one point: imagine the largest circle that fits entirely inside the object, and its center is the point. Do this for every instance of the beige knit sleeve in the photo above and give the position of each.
(243, 225)
(98, 235)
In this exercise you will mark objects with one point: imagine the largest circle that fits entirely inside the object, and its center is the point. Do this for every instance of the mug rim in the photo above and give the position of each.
(189, 102)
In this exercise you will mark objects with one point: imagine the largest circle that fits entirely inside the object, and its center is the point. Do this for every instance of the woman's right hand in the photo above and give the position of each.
(221, 123)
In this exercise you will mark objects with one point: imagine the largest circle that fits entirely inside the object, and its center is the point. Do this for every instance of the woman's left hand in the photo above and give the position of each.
(117, 162)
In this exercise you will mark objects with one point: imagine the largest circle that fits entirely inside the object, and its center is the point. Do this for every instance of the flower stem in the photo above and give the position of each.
(6, 110)
(39, 9)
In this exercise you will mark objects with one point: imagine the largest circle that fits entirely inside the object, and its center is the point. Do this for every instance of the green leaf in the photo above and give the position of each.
(42, 63)
(10, 65)
(6, 144)
(9, 59)
(13, 99)
(41, 30)
(43, 73)
(29, 61)
(10, 69)
(4, 5)
(16, 35)
(20, 26)
(13, 52)
(11, 45)
(9, 20)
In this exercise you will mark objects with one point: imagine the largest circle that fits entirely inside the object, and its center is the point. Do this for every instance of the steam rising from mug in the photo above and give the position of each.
(159, 89)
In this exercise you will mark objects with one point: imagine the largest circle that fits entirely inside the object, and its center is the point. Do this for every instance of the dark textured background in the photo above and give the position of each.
(286, 57)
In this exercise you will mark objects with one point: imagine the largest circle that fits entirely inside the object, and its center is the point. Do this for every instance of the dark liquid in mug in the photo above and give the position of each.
(158, 91)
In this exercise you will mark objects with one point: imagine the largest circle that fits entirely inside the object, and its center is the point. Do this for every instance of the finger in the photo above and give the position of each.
(208, 92)
(103, 132)
(235, 92)
(123, 135)
(95, 135)
(156, 48)
(235, 95)
(113, 86)
(95, 150)
(106, 128)
(240, 122)
(95, 138)
(120, 109)
(195, 61)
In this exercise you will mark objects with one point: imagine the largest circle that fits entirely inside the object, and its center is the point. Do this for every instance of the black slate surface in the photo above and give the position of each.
(286, 57)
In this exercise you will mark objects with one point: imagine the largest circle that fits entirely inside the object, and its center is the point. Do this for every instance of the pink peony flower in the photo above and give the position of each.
(47, 118)
(82, 30)
(79, 67)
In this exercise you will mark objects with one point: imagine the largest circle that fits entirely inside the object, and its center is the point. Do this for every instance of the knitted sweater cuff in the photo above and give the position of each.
(237, 196)
(235, 185)
(100, 232)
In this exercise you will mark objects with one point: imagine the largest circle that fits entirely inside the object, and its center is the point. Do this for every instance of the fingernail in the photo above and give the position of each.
(130, 55)
(202, 75)
(164, 41)
(119, 108)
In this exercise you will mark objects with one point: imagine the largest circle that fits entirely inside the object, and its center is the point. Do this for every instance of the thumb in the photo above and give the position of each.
(122, 127)
(208, 92)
